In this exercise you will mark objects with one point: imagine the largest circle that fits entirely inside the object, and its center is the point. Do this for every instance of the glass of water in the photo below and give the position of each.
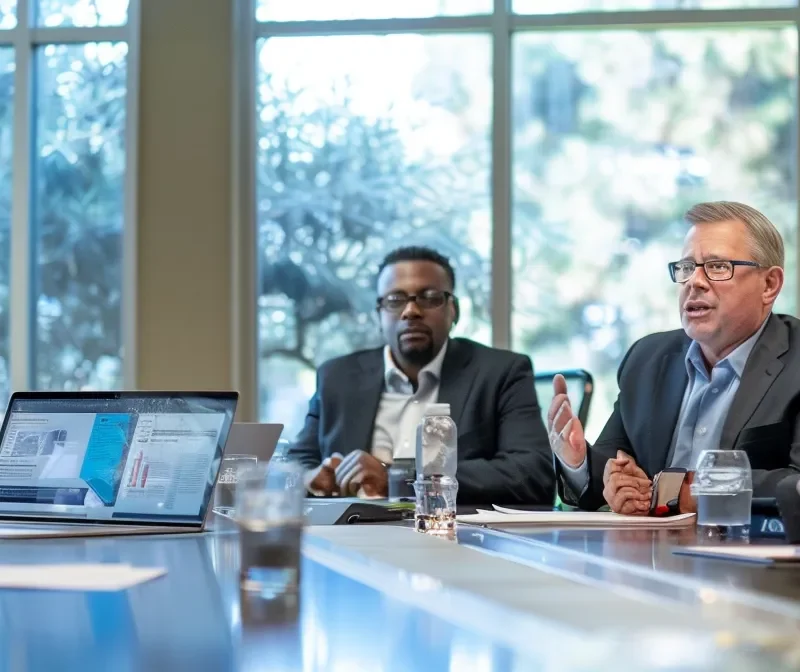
(269, 513)
(232, 467)
(723, 488)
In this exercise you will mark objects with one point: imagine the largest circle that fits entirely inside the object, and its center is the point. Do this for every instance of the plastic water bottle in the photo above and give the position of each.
(436, 486)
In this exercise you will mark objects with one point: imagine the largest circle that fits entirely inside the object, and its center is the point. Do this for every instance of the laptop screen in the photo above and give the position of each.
(113, 457)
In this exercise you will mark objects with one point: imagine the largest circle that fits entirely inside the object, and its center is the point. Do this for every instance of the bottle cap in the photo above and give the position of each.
(438, 409)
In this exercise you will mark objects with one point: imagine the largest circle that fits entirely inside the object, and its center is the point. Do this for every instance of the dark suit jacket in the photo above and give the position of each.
(763, 420)
(503, 452)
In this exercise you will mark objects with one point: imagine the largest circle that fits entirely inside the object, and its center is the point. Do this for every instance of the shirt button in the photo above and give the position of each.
(416, 402)
(715, 390)
(701, 431)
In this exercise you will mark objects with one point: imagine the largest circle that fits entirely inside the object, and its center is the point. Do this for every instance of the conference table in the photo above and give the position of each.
(386, 598)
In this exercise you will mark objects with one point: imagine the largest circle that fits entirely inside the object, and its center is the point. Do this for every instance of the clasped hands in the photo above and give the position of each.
(357, 473)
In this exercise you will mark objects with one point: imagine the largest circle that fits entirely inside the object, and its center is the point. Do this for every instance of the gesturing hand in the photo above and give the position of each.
(563, 427)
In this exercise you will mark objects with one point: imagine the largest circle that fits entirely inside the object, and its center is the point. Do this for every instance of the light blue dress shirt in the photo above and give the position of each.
(706, 401)
(704, 408)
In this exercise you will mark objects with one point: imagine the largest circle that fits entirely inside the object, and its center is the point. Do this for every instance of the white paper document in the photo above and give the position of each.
(503, 516)
(766, 554)
(83, 577)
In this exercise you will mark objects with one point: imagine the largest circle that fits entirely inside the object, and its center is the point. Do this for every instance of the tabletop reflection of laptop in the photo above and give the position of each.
(99, 463)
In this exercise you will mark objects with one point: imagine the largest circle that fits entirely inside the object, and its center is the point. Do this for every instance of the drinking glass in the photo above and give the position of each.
(232, 466)
(269, 513)
(723, 488)
(401, 480)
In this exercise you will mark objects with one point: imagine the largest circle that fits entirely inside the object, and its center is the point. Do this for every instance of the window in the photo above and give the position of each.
(77, 214)
(565, 6)
(63, 125)
(657, 121)
(357, 156)
(325, 10)
(82, 13)
(551, 158)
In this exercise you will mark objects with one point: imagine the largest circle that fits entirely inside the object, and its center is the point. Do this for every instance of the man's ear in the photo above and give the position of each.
(456, 310)
(774, 284)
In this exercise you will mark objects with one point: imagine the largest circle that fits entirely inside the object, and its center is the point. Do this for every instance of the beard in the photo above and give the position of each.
(417, 354)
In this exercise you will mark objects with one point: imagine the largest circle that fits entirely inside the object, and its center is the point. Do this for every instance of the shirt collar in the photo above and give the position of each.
(736, 359)
(390, 370)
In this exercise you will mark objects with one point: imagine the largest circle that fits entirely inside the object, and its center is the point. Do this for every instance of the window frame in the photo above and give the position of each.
(25, 38)
(502, 24)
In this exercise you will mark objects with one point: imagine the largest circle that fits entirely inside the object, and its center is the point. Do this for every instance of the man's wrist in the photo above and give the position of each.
(569, 467)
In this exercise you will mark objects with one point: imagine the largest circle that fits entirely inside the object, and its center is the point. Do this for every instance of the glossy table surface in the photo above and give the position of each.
(362, 613)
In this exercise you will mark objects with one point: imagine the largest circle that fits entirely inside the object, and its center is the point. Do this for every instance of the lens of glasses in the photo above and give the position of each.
(683, 270)
(430, 299)
(719, 270)
(394, 303)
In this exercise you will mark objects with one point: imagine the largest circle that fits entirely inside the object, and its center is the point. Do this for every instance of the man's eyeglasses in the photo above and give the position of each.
(717, 270)
(396, 302)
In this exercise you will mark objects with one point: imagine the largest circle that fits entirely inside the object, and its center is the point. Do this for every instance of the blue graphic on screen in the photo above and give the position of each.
(105, 454)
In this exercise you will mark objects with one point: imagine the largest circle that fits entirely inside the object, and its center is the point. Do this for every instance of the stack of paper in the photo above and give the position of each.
(84, 577)
(576, 519)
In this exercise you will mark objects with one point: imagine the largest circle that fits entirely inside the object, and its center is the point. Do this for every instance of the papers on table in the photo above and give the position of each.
(84, 577)
(583, 519)
(759, 554)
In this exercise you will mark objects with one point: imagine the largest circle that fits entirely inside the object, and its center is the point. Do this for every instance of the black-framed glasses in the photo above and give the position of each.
(717, 270)
(396, 302)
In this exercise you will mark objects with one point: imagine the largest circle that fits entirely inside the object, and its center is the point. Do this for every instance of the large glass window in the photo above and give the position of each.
(63, 124)
(616, 134)
(78, 215)
(365, 143)
(572, 180)
(82, 13)
(6, 158)
(324, 10)
(565, 6)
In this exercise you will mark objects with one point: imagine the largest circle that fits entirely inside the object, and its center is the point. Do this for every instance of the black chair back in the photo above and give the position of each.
(580, 386)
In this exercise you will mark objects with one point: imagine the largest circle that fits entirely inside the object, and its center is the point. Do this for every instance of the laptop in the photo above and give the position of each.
(76, 464)
(253, 438)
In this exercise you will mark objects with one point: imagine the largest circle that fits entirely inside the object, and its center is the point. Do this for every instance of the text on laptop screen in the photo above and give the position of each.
(120, 458)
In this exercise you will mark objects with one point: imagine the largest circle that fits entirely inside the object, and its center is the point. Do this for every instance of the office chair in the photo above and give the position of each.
(580, 386)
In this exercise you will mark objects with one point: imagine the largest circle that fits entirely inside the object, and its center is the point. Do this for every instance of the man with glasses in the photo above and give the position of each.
(729, 379)
(367, 406)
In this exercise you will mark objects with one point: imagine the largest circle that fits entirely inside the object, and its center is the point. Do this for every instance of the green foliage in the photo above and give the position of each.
(615, 135)
(336, 193)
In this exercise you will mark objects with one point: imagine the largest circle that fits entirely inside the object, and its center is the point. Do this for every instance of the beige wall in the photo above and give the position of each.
(184, 192)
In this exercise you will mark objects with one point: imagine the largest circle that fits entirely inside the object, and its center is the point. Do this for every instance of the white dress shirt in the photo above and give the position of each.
(394, 434)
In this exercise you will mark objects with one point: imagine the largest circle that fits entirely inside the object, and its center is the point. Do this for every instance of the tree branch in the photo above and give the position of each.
(290, 353)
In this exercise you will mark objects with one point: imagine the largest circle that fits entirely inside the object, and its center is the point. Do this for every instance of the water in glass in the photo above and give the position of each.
(269, 512)
(723, 488)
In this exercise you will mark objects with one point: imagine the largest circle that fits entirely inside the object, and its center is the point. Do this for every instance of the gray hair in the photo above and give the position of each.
(765, 240)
